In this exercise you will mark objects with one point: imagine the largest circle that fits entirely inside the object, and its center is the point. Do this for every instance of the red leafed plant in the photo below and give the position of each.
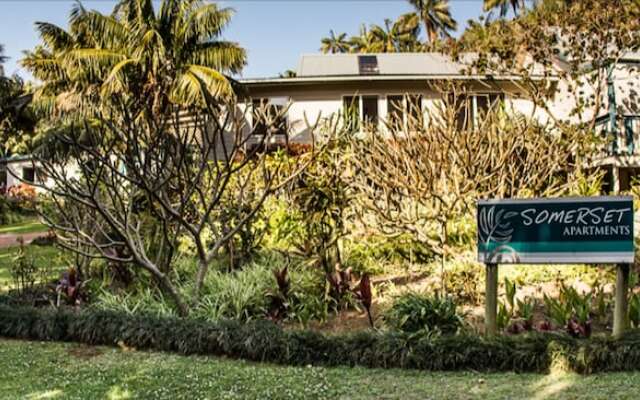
(280, 299)
(70, 286)
(365, 296)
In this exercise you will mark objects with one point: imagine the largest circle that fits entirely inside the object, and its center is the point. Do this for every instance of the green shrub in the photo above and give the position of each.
(265, 341)
(414, 312)
(240, 295)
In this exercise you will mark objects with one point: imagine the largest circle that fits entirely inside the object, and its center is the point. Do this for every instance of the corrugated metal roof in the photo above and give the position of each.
(315, 65)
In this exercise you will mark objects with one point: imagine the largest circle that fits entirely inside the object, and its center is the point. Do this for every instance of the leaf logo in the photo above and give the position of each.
(493, 226)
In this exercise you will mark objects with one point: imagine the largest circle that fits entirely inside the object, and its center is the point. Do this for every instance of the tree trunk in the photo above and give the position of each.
(167, 287)
(203, 267)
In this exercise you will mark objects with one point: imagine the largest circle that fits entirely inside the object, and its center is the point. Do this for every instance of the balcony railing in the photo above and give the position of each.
(623, 139)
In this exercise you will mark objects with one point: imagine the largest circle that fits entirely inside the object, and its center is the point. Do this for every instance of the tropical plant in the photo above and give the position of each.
(436, 17)
(319, 200)
(395, 36)
(503, 5)
(363, 42)
(571, 311)
(17, 120)
(414, 312)
(153, 59)
(335, 43)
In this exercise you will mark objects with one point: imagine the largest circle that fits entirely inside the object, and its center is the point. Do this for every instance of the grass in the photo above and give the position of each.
(28, 226)
(34, 370)
(44, 258)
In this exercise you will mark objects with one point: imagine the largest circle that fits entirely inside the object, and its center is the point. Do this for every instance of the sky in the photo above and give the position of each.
(275, 33)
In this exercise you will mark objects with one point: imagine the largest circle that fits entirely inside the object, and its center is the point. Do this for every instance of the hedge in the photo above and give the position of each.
(266, 341)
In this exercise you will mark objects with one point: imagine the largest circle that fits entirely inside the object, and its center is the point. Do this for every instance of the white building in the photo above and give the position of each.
(326, 84)
(13, 169)
(376, 85)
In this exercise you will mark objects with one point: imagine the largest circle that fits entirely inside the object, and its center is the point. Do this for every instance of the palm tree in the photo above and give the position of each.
(384, 38)
(335, 43)
(3, 58)
(173, 56)
(503, 5)
(364, 42)
(407, 32)
(436, 17)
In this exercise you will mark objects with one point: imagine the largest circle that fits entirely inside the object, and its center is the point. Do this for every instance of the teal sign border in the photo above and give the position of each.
(585, 230)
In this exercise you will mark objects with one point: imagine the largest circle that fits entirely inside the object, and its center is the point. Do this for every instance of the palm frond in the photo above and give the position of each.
(198, 82)
(90, 63)
(222, 56)
(105, 30)
(43, 65)
(205, 23)
(54, 37)
(115, 81)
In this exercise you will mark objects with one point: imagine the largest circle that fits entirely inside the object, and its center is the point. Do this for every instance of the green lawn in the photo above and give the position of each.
(34, 370)
(28, 226)
(44, 257)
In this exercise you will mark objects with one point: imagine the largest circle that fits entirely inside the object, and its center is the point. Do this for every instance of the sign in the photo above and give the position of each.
(586, 230)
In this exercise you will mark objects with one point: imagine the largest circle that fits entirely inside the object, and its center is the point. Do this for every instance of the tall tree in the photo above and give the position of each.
(503, 6)
(335, 43)
(16, 119)
(172, 56)
(436, 17)
(362, 43)
(384, 37)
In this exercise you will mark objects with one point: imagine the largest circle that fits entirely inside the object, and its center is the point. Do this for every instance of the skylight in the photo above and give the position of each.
(368, 65)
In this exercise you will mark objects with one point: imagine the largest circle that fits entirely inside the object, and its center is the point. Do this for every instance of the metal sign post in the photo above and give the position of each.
(578, 230)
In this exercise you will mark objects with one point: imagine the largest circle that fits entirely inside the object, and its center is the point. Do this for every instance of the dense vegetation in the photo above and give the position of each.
(265, 341)
(178, 234)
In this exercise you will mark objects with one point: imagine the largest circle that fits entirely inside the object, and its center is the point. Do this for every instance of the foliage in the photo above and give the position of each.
(318, 201)
(634, 310)
(70, 288)
(365, 296)
(430, 183)
(571, 311)
(23, 270)
(587, 38)
(415, 312)
(436, 17)
(266, 342)
(151, 58)
(23, 196)
(394, 37)
(257, 291)
(464, 280)
(17, 119)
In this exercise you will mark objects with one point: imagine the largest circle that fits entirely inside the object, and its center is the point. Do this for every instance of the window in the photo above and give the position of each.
(368, 65)
(266, 115)
(470, 108)
(370, 110)
(360, 109)
(403, 111)
(28, 174)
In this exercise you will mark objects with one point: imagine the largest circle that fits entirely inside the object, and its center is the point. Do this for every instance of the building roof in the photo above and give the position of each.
(316, 65)
(380, 66)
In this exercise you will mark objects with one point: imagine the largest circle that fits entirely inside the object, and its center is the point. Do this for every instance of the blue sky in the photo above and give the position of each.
(274, 33)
